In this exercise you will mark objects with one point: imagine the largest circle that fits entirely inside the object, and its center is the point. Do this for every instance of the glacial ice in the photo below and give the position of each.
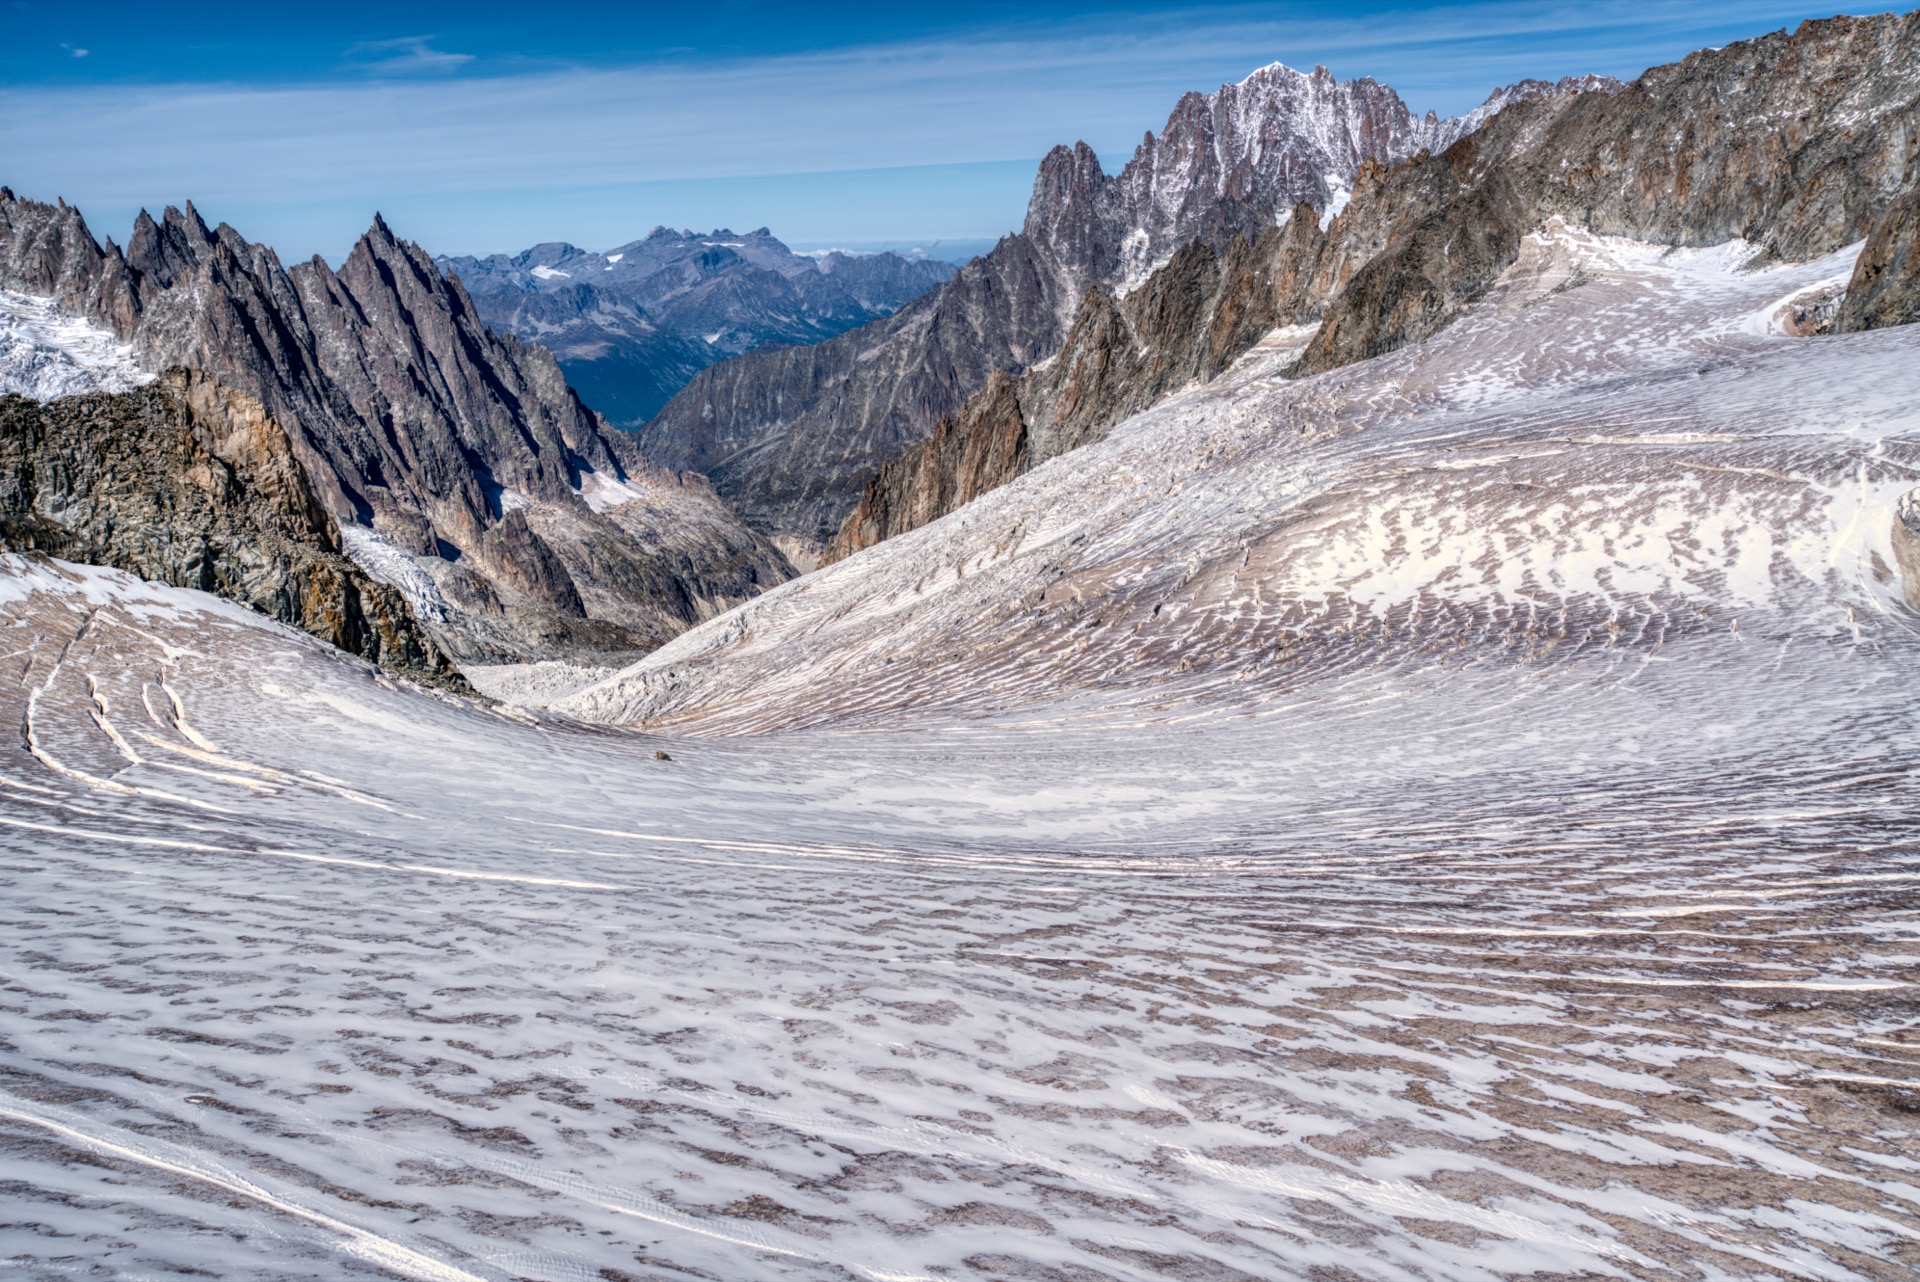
(1517, 878)
(45, 354)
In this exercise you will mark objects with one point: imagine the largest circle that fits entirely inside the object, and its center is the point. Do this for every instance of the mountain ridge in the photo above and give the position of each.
(790, 438)
(1420, 241)
(418, 424)
(633, 325)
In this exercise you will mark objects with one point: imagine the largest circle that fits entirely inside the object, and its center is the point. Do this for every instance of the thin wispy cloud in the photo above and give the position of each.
(405, 55)
(73, 52)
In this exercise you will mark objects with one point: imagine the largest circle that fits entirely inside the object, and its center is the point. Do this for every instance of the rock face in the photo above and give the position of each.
(1797, 143)
(791, 437)
(1235, 162)
(1885, 288)
(1187, 323)
(191, 483)
(632, 326)
(418, 426)
(1678, 157)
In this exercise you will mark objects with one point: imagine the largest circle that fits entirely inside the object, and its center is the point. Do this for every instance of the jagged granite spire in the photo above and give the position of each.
(414, 421)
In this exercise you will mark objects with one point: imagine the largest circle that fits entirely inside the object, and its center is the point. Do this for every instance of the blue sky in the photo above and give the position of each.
(479, 127)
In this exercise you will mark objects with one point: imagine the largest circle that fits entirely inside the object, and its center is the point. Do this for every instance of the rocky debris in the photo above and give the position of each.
(1885, 288)
(191, 483)
(414, 421)
(791, 437)
(1421, 240)
(632, 326)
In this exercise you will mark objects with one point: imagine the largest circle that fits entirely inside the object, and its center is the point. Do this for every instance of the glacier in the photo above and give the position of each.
(1448, 818)
(46, 354)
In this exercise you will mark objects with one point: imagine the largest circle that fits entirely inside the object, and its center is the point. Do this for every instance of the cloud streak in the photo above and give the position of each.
(405, 55)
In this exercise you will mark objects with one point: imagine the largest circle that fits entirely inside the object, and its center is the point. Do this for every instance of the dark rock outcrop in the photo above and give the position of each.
(413, 419)
(791, 437)
(1800, 143)
(1885, 288)
(193, 484)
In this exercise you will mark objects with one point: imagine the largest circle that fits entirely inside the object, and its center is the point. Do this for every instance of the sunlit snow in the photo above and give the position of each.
(1451, 818)
(45, 354)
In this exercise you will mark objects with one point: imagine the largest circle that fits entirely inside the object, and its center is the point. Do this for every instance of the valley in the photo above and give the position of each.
(1336, 708)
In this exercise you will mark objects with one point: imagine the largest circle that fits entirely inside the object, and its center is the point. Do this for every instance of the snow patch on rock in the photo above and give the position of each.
(45, 355)
(388, 564)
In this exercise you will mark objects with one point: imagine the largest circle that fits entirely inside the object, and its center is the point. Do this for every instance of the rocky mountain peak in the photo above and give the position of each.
(420, 430)
(791, 438)
(1233, 162)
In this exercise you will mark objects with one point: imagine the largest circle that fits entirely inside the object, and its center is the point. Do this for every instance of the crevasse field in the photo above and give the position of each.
(1451, 818)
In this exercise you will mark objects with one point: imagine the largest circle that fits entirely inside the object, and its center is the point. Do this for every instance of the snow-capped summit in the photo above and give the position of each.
(791, 437)
(1238, 160)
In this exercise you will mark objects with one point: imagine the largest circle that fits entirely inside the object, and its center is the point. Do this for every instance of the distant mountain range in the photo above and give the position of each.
(632, 326)
(451, 461)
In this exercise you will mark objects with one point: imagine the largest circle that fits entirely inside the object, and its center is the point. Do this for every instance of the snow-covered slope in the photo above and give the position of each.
(1616, 451)
(1458, 970)
(45, 354)
(1445, 819)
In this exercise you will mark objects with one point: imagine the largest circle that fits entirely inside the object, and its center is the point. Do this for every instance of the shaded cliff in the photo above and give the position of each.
(191, 483)
(1799, 143)
(1885, 288)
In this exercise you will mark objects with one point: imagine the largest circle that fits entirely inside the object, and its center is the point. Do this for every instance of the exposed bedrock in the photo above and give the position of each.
(1189, 321)
(192, 483)
(1885, 288)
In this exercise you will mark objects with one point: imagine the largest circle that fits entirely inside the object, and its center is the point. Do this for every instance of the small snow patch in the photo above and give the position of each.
(387, 563)
(543, 272)
(603, 493)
